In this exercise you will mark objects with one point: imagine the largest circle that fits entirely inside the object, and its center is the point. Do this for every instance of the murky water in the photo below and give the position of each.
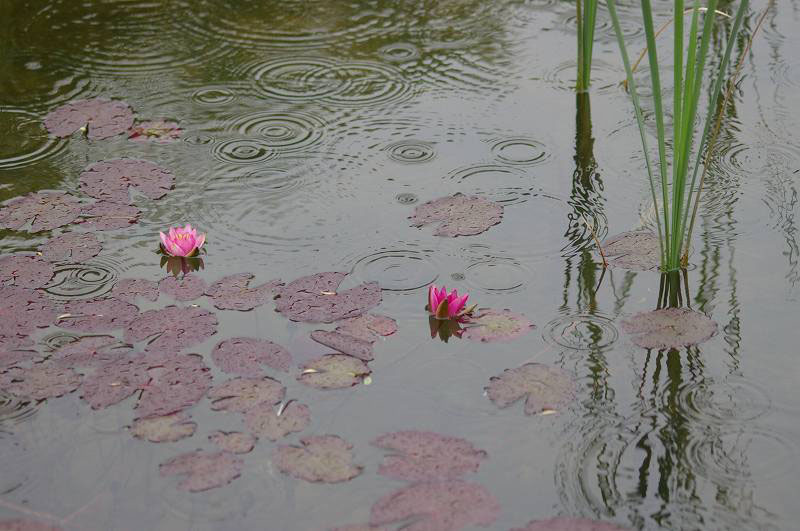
(311, 131)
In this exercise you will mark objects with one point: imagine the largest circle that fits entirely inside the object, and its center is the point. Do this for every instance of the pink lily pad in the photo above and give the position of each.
(669, 328)
(42, 210)
(167, 428)
(187, 288)
(489, 325)
(108, 180)
(458, 215)
(242, 394)
(26, 525)
(437, 506)
(102, 118)
(39, 381)
(96, 315)
(13, 358)
(349, 345)
(544, 388)
(25, 271)
(105, 215)
(128, 289)
(313, 298)
(368, 327)
(234, 442)
(264, 422)
(637, 251)
(565, 523)
(233, 292)
(203, 470)
(246, 356)
(157, 131)
(172, 328)
(90, 351)
(168, 383)
(14, 342)
(71, 247)
(425, 455)
(334, 371)
(23, 310)
(322, 458)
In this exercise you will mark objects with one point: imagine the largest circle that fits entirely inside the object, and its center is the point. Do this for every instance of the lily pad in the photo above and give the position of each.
(565, 523)
(247, 356)
(108, 180)
(345, 344)
(172, 328)
(25, 271)
(322, 458)
(637, 250)
(102, 118)
(360, 527)
(264, 422)
(437, 506)
(203, 470)
(13, 358)
(105, 215)
(458, 215)
(96, 315)
(90, 351)
(242, 394)
(425, 455)
(669, 328)
(42, 210)
(233, 292)
(187, 288)
(313, 298)
(544, 388)
(158, 131)
(167, 428)
(368, 327)
(334, 371)
(489, 325)
(39, 381)
(23, 310)
(71, 247)
(27, 525)
(128, 289)
(234, 442)
(168, 383)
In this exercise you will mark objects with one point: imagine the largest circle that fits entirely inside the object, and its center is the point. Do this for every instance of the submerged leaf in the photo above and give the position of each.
(167, 428)
(96, 315)
(233, 292)
(565, 523)
(39, 381)
(490, 325)
(242, 394)
(71, 247)
(172, 328)
(313, 298)
(128, 289)
(425, 455)
(187, 288)
(544, 388)
(264, 422)
(234, 442)
(24, 271)
(368, 327)
(669, 328)
(458, 215)
(159, 131)
(322, 458)
(108, 180)
(345, 344)
(204, 470)
(637, 250)
(246, 356)
(103, 118)
(43, 210)
(334, 371)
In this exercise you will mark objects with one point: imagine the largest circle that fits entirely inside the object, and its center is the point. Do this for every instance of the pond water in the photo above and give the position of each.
(310, 131)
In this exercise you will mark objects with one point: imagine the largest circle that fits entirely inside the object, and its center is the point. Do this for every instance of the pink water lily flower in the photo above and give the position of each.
(182, 241)
(445, 305)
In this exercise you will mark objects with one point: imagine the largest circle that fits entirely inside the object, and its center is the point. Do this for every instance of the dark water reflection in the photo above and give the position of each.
(311, 129)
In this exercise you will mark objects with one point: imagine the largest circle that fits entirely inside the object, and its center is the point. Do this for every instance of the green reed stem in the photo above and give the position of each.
(586, 11)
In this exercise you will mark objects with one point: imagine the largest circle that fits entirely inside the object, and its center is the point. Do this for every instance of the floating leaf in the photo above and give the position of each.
(437, 506)
(102, 118)
(313, 298)
(90, 351)
(26, 525)
(71, 247)
(247, 356)
(105, 215)
(25, 271)
(187, 288)
(39, 381)
(242, 394)
(167, 428)
(232, 292)
(565, 523)
(204, 470)
(168, 383)
(42, 210)
(22, 311)
(322, 458)
(638, 250)
(158, 131)
(669, 328)
(264, 422)
(96, 315)
(424, 455)
(172, 328)
(108, 180)
(128, 289)
(349, 345)
(234, 442)
(334, 371)
(368, 327)
(360, 527)
(458, 215)
(490, 325)
(11, 358)
(544, 388)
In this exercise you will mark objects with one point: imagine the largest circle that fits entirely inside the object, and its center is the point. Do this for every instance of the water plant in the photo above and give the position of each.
(688, 74)
(445, 305)
(182, 242)
(586, 16)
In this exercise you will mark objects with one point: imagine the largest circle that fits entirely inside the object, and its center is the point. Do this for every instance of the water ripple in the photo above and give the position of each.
(523, 151)
(24, 140)
(84, 281)
(410, 151)
(242, 151)
(504, 184)
(282, 131)
(581, 331)
(404, 266)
